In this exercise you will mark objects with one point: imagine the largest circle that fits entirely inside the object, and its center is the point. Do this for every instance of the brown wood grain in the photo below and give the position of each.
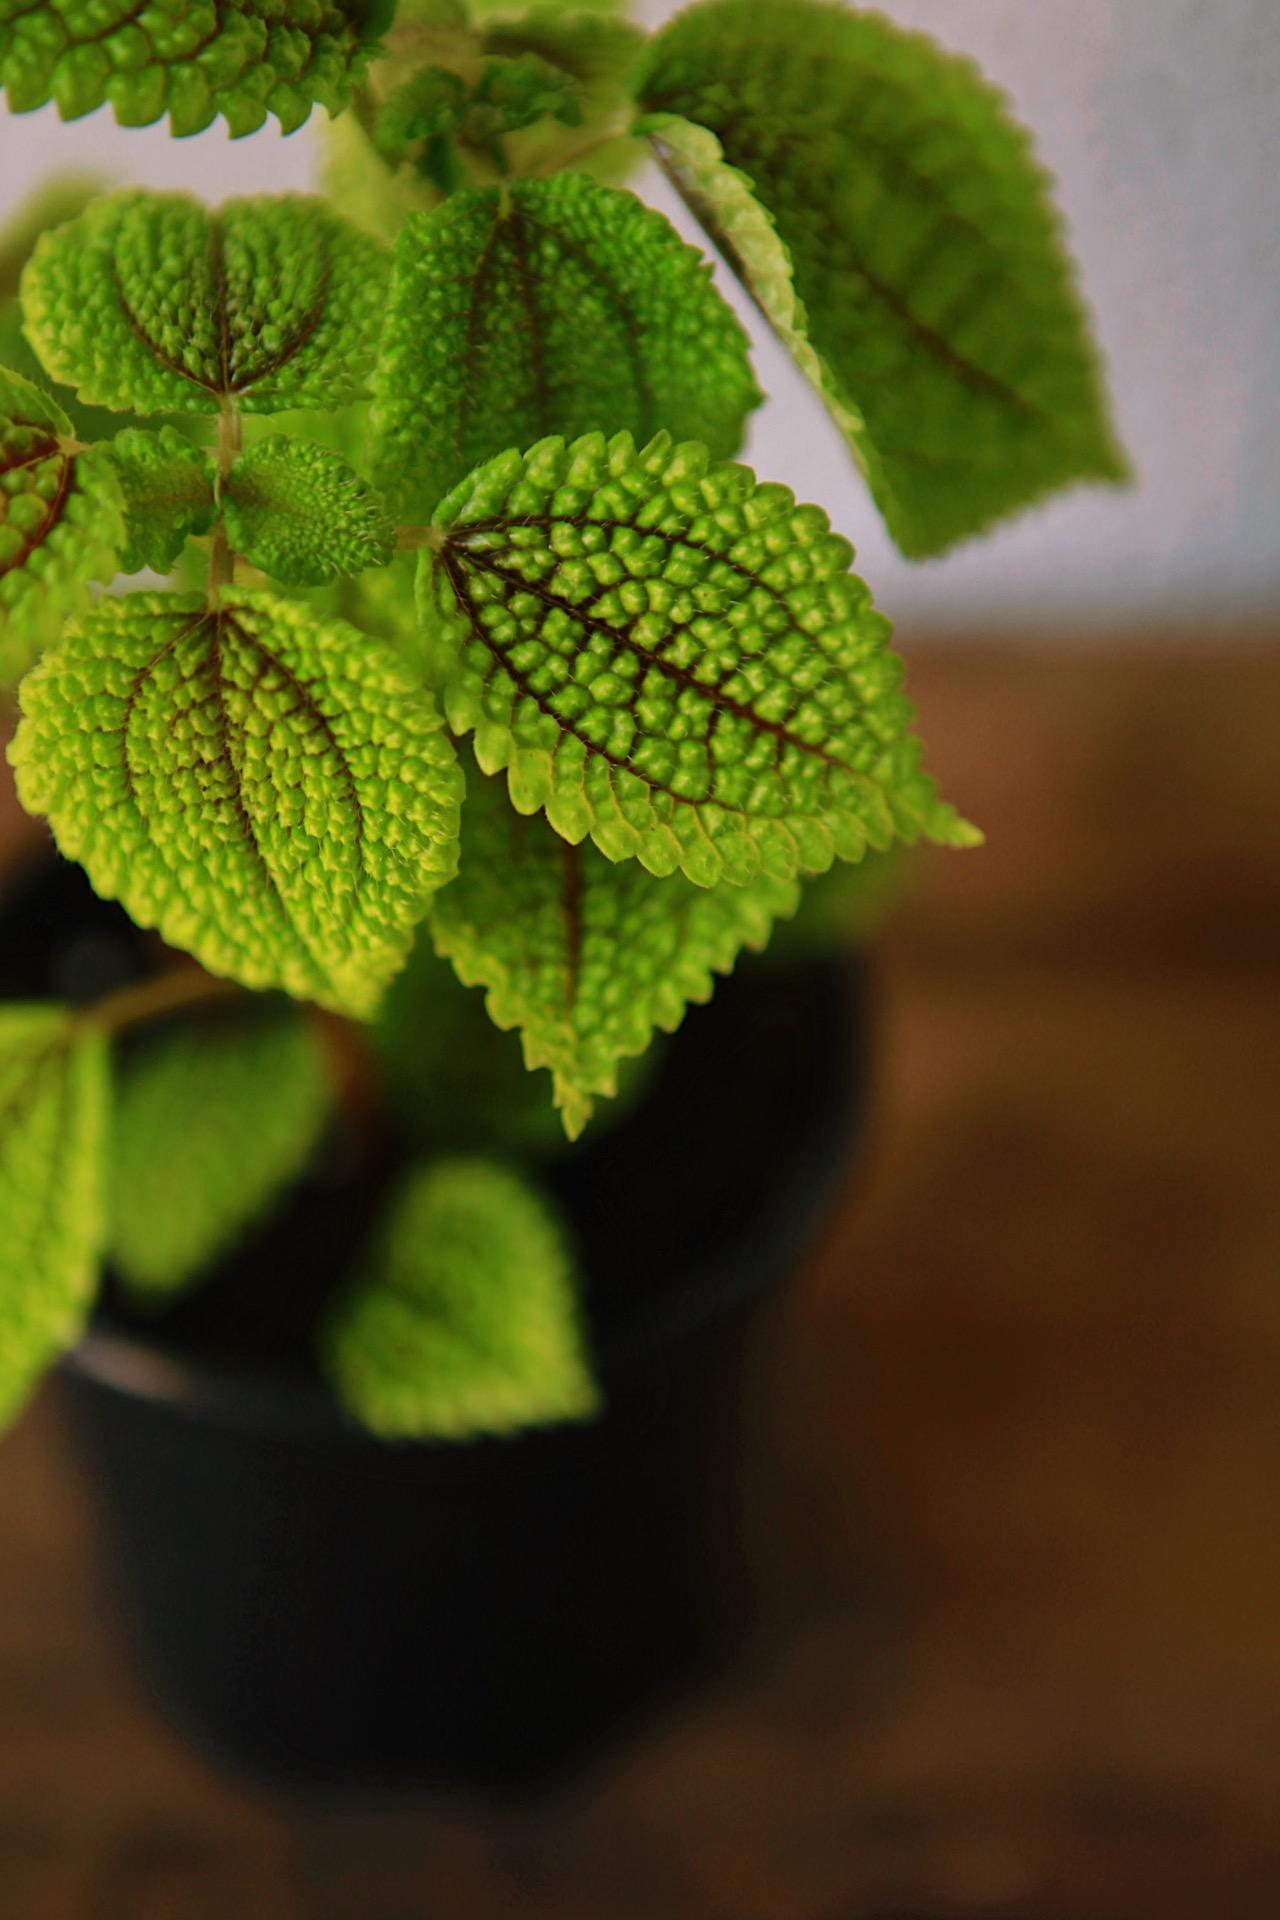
(1014, 1468)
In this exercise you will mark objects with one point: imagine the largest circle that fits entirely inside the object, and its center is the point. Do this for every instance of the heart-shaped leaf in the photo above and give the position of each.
(53, 1115)
(466, 1321)
(152, 303)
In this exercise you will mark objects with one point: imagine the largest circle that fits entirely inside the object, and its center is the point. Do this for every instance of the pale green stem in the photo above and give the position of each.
(222, 562)
(147, 1000)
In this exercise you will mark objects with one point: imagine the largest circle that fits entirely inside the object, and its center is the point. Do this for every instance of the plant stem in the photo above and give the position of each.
(147, 1000)
(560, 163)
(222, 561)
(413, 539)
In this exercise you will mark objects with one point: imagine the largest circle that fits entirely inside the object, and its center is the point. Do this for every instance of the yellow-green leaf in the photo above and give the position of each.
(892, 222)
(61, 522)
(298, 511)
(466, 1319)
(266, 787)
(152, 303)
(213, 1118)
(587, 957)
(53, 1112)
(675, 659)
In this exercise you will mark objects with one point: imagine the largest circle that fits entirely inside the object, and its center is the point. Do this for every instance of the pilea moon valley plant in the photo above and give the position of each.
(465, 641)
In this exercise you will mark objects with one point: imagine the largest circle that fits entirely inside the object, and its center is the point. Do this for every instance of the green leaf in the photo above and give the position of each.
(152, 303)
(891, 221)
(599, 56)
(675, 659)
(556, 307)
(168, 488)
(466, 1321)
(267, 788)
(61, 522)
(53, 1102)
(213, 1119)
(301, 513)
(192, 59)
(585, 956)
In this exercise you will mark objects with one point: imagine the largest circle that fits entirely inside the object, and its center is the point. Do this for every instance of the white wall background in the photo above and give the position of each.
(1161, 120)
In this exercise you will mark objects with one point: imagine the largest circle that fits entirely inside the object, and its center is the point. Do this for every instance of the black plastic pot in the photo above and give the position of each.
(328, 1610)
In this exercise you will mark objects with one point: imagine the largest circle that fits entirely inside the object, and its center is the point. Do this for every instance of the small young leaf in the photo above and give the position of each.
(436, 111)
(61, 522)
(581, 309)
(675, 659)
(586, 957)
(151, 303)
(267, 788)
(168, 495)
(891, 221)
(600, 56)
(466, 1322)
(300, 513)
(242, 59)
(212, 1119)
(53, 1102)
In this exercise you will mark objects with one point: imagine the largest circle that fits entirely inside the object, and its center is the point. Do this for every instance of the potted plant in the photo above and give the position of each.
(481, 693)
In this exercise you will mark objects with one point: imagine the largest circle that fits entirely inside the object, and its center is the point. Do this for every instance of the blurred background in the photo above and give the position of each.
(1013, 1467)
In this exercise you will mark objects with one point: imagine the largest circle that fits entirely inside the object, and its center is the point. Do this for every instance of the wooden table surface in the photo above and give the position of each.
(1016, 1453)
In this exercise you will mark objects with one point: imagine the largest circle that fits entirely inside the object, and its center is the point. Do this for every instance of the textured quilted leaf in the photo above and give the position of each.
(191, 59)
(466, 1322)
(267, 788)
(150, 303)
(53, 1101)
(892, 222)
(585, 956)
(558, 306)
(168, 495)
(213, 1118)
(61, 522)
(675, 659)
(299, 512)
